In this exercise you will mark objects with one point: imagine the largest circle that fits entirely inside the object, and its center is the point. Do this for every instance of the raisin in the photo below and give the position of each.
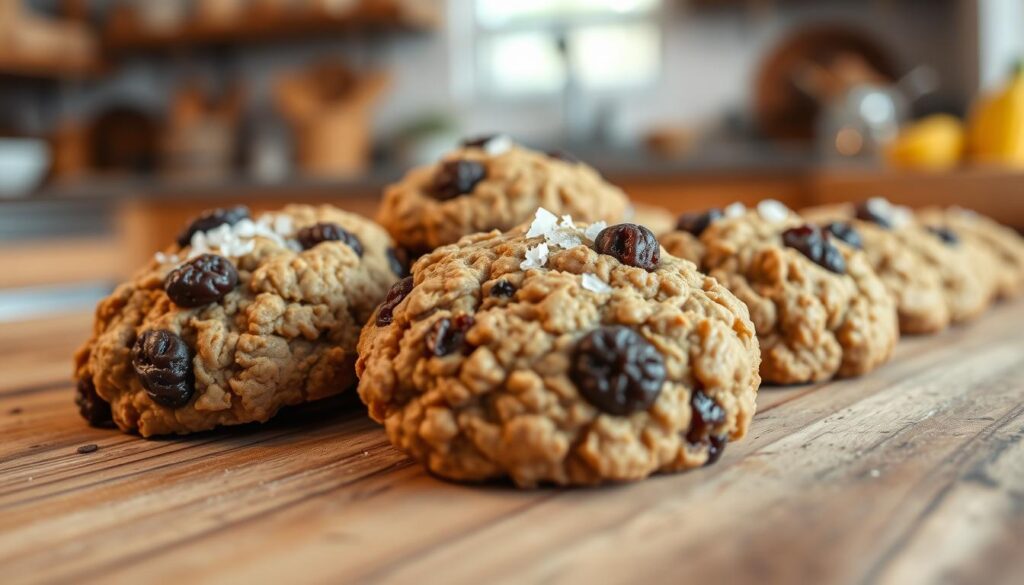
(211, 219)
(617, 370)
(202, 280)
(163, 363)
(90, 448)
(93, 409)
(503, 288)
(945, 234)
(707, 414)
(696, 223)
(847, 233)
(398, 260)
(813, 242)
(457, 177)
(564, 157)
(397, 292)
(448, 335)
(716, 446)
(631, 244)
(312, 235)
(867, 212)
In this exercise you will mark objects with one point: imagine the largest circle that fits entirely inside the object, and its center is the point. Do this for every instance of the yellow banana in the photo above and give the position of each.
(997, 125)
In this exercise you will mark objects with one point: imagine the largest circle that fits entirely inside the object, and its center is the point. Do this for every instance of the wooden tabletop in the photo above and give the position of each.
(912, 474)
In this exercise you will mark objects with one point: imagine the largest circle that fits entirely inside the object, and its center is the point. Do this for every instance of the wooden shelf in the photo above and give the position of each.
(124, 37)
(45, 68)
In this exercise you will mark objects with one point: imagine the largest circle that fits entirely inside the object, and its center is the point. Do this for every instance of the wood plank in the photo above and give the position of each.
(863, 480)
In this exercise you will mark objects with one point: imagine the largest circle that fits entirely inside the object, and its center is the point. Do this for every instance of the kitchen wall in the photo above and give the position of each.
(700, 45)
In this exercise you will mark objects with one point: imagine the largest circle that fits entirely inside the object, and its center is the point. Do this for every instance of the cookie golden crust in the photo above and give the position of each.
(914, 283)
(813, 324)
(997, 247)
(505, 400)
(285, 334)
(516, 182)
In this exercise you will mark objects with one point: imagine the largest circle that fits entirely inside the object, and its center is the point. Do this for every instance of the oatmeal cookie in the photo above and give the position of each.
(913, 282)
(559, 354)
(819, 309)
(1002, 246)
(965, 270)
(492, 184)
(243, 318)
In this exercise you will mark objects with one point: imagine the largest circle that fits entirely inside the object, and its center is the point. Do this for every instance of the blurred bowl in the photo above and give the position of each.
(23, 165)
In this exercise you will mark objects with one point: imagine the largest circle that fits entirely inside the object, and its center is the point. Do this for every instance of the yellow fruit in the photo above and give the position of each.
(935, 142)
(997, 125)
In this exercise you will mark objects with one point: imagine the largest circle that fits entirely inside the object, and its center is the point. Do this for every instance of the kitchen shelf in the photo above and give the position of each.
(24, 66)
(126, 37)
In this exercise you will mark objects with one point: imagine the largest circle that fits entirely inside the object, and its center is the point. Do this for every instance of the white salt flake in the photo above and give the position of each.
(896, 215)
(543, 222)
(245, 228)
(536, 257)
(565, 234)
(239, 239)
(592, 283)
(736, 209)
(499, 144)
(166, 258)
(594, 229)
(772, 210)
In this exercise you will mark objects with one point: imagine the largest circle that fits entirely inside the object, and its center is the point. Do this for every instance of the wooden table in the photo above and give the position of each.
(912, 474)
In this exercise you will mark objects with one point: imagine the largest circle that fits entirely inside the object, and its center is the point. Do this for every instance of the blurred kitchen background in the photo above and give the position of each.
(119, 119)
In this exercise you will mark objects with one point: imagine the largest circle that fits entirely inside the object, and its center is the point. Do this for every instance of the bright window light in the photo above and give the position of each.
(610, 57)
(612, 45)
(523, 63)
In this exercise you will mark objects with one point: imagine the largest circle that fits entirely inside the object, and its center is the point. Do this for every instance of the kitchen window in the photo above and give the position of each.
(545, 47)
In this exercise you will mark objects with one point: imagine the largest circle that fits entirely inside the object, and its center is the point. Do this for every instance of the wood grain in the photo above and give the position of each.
(912, 474)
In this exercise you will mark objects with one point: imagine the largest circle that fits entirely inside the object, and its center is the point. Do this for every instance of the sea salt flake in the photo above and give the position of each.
(536, 257)
(499, 144)
(592, 283)
(543, 222)
(772, 210)
(736, 209)
(245, 228)
(166, 258)
(593, 229)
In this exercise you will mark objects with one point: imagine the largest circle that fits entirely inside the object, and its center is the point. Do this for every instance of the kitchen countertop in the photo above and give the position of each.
(914, 473)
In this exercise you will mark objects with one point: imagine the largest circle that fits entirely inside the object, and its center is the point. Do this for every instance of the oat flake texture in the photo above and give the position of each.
(504, 404)
(286, 334)
(518, 181)
(813, 324)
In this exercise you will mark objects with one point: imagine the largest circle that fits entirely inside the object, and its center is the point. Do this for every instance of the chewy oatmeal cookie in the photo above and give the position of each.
(965, 270)
(818, 307)
(548, 357)
(1003, 246)
(241, 318)
(489, 184)
(914, 283)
